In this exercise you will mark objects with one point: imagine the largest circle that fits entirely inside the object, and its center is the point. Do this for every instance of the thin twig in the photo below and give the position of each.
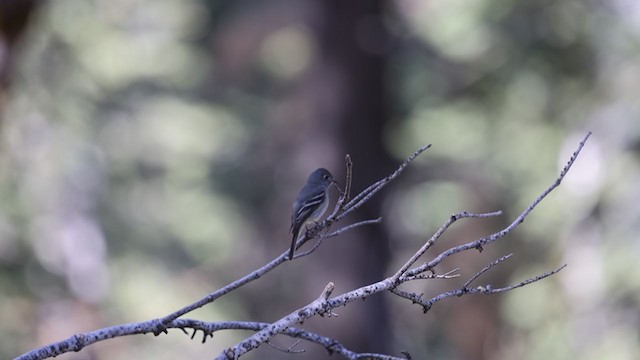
(335, 233)
(352, 226)
(367, 193)
(287, 350)
(294, 345)
(426, 276)
(348, 177)
(489, 290)
(492, 264)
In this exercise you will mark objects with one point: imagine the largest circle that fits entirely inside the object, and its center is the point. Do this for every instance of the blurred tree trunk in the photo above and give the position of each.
(353, 44)
(14, 17)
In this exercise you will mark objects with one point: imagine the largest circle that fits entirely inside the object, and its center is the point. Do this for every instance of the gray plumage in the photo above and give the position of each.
(310, 204)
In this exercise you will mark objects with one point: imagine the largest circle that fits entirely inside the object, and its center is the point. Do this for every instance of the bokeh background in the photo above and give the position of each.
(151, 150)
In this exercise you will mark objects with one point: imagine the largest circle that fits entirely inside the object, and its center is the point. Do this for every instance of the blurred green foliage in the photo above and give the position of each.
(143, 165)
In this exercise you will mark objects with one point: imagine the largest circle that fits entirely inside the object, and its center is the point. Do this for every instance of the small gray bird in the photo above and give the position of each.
(311, 203)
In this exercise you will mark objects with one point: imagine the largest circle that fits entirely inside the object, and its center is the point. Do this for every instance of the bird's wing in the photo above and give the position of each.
(307, 207)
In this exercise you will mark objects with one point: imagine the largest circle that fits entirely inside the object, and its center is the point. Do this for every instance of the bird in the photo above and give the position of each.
(311, 203)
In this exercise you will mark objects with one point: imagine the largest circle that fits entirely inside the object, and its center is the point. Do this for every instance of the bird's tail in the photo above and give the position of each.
(294, 241)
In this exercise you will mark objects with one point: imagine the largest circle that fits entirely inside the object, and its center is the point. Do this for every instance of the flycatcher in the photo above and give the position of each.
(311, 203)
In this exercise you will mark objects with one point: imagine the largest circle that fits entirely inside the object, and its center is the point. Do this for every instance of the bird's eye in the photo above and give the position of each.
(326, 177)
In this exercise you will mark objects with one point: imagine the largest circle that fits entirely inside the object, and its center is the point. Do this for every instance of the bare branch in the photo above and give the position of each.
(352, 226)
(283, 257)
(436, 236)
(402, 275)
(321, 239)
(323, 305)
(160, 325)
(78, 342)
(348, 177)
(367, 193)
(489, 290)
(318, 306)
(425, 276)
(465, 290)
(478, 244)
(492, 264)
(287, 350)
(371, 356)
